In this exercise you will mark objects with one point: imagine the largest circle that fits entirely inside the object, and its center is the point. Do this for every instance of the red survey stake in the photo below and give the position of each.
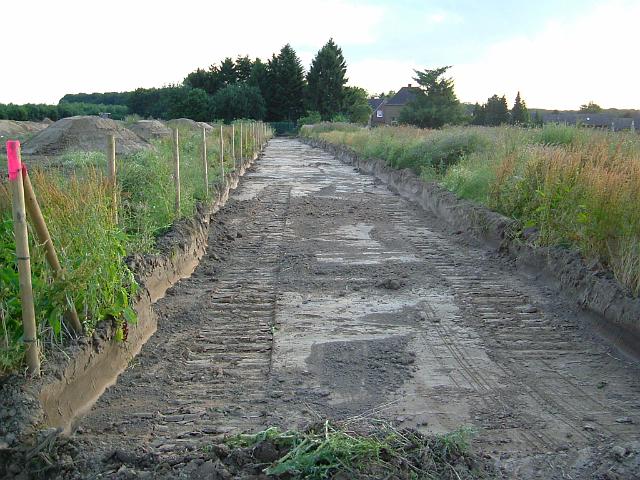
(13, 158)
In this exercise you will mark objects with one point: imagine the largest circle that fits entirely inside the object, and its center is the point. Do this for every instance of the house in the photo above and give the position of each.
(377, 115)
(387, 111)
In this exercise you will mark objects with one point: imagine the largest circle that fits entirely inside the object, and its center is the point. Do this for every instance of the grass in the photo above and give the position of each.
(579, 187)
(76, 200)
(326, 450)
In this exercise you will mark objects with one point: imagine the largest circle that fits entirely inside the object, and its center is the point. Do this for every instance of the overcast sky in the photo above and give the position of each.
(558, 53)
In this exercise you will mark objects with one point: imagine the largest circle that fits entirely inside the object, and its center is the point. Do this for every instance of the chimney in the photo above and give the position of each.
(409, 85)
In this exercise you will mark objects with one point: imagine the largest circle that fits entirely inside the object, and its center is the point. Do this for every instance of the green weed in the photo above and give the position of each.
(326, 450)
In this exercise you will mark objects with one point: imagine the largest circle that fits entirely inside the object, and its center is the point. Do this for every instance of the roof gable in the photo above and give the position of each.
(404, 96)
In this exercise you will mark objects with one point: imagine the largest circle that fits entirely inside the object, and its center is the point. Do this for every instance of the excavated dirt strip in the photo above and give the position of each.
(325, 295)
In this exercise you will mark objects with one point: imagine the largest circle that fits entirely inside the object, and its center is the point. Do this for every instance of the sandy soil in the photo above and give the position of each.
(324, 295)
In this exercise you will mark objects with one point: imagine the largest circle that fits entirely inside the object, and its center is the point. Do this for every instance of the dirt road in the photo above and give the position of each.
(324, 294)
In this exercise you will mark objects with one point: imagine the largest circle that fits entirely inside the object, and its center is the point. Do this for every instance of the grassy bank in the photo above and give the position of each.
(578, 187)
(77, 203)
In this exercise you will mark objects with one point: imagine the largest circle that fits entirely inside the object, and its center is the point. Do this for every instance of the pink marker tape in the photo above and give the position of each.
(13, 158)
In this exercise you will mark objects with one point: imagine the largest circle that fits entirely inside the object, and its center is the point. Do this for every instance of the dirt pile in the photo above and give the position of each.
(86, 133)
(14, 130)
(10, 128)
(187, 123)
(150, 129)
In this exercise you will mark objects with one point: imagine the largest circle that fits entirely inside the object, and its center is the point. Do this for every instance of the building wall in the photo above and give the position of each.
(391, 113)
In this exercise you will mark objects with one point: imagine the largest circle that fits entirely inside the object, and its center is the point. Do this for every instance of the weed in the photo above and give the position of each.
(325, 450)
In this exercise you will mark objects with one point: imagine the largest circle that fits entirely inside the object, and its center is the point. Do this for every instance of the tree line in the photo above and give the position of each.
(37, 112)
(275, 90)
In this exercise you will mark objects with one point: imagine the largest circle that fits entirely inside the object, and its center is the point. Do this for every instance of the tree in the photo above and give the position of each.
(238, 101)
(435, 103)
(519, 112)
(227, 72)
(207, 80)
(259, 77)
(286, 86)
(590, 107)
(478, 115)
(356, 105)
(187, 102)
(326, 80)
(496, 111)
(243, 68)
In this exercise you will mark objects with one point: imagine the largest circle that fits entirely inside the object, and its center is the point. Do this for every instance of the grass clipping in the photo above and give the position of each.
(330, 450)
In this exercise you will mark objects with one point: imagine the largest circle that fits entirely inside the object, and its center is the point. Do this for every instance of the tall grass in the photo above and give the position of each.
(578, 187)
(76, 200)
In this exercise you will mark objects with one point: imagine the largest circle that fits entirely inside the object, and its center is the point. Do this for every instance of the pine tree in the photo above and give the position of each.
(326, 81)
(243, 68)
(496, 111)
(227, 72)
(285, 94)
(519, 112)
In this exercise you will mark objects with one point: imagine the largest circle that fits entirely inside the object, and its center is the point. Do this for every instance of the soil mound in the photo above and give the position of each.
(86, 133)
(150, 129)
(189, 124)
(11, 129)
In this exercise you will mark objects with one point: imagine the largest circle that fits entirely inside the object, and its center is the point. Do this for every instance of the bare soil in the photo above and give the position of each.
(83, 133)
(324, 295)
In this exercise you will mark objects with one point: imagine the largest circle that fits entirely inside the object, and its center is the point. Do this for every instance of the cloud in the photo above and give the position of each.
(592, 57)
(75, 46)
(441, 17)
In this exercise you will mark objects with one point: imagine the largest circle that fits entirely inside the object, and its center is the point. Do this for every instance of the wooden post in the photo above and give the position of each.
(233, 144)
(22, 254)
(111, 173)
(241, 153)
(221, 153)
(176, 168)
(44, 239)
(205, 166)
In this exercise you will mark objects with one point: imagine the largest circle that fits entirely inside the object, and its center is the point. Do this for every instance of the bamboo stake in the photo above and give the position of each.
(176, 168)
(241, 152)
(111, 173)
(44, 239)
(233, 144)
(22, 254)
(205, 166)
(222, 153)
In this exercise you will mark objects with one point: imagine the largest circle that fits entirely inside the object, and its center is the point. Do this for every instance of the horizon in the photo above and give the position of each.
(558, 56)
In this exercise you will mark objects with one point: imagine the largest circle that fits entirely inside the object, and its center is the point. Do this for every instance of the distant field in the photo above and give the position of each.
(578, 187)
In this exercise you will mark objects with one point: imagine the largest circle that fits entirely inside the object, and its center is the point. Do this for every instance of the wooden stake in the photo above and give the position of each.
(22, 254)
(176, 168)
(44, 239)
(205, 166)
(233, 144)
(111, 173)
(222, 153)
(241, 153)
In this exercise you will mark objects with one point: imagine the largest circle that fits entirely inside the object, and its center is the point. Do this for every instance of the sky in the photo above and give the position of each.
(557, 53)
